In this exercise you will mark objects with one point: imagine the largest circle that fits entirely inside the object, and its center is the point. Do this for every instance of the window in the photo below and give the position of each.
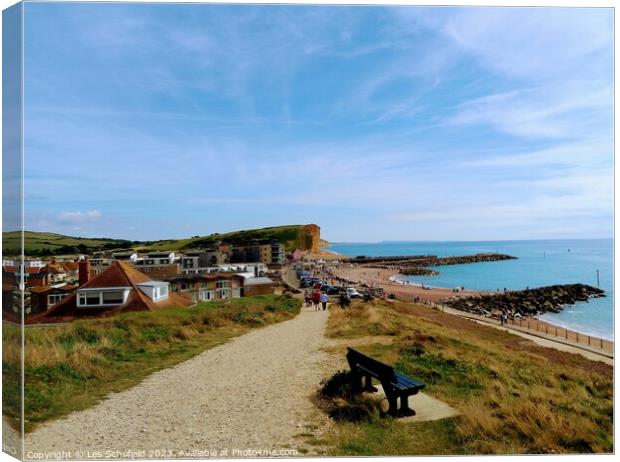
(55, 298)
(113, 297)
(164, 261)
(222, 284)
(88, 299)
(149, 262)
(236, 292)
(206, 295)
(223, 293)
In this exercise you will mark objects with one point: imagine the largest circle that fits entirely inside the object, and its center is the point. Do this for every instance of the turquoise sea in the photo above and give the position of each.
(540, 263)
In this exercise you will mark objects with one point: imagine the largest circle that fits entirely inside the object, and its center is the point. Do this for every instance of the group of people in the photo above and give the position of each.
(317, 299)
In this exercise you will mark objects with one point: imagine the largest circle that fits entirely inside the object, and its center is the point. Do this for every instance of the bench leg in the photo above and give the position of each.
(405, 410)
(357, 380)
(393, 409)
(368, 385)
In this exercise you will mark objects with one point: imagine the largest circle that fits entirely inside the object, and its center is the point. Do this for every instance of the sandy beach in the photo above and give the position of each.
(379, 277)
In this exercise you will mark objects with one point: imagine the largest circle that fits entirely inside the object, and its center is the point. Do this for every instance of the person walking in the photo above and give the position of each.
(324, 298)
(316, 299)
(307, 298)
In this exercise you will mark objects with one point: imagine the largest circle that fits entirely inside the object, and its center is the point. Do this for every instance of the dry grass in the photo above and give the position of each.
(515, 397)
(72, 366)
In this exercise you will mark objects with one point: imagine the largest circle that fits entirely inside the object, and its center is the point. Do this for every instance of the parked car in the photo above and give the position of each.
(353, 293)
(329, 290)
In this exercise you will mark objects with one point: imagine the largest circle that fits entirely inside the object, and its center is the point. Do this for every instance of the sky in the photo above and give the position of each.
(153, 121)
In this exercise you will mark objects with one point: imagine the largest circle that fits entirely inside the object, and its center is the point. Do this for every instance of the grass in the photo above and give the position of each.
(514, 396)
(287, 234)
(73, 366)
(45, 244)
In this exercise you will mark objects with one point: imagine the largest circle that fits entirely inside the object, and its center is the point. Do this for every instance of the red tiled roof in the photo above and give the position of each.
(43, 289)
(119, 274)
(29, 269)
(70, 265)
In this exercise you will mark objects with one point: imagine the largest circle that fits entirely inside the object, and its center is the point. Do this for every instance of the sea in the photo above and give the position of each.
(538, 264)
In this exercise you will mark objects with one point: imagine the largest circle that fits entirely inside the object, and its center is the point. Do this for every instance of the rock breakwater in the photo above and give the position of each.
(527, 302)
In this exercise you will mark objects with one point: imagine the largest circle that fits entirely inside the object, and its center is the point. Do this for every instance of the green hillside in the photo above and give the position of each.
(46, 244)
(287, 234)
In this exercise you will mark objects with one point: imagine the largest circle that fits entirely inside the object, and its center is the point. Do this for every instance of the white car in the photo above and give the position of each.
(353, 293)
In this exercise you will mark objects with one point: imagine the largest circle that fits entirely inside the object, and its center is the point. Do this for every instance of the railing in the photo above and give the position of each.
(540, 328)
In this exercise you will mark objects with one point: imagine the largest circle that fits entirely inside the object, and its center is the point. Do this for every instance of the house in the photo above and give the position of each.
(258, 286)
(195, 261)
(118, 289)
(125, 256)
(71, 269)
(244, 269)
(207, 287)
(158, 264)
(28, 262)
(9, 293)
(33, 276)
(56, 273)
(42, 298)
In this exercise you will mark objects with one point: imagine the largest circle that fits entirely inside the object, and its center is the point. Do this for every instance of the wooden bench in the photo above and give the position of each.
(395, 385)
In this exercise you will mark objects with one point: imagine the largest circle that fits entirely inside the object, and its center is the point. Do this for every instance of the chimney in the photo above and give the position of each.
(83, 272)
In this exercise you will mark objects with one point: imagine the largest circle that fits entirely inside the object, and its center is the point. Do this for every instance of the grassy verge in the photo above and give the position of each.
(513, 395)
(72, 366)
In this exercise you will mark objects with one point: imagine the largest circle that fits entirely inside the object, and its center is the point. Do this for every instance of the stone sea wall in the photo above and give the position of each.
(527, 302)
(418, 265)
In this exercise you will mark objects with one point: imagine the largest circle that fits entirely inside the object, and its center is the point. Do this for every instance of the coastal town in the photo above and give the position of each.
(62, 288)
(158, 301)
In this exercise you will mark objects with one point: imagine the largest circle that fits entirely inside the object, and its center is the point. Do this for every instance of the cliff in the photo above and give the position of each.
(309, 238)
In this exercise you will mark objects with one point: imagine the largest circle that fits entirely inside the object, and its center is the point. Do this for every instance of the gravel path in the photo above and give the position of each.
(252, 393)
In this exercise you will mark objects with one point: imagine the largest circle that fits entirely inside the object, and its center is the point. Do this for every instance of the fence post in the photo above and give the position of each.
(566, 332)
(556, 331)
(546, 329)
(577, 336)
(601, 343)
(588, 340)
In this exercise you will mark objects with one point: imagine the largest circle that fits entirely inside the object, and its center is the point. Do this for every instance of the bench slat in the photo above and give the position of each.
(381, 371)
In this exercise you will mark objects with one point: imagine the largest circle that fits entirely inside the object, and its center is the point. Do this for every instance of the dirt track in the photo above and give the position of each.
(251, 393)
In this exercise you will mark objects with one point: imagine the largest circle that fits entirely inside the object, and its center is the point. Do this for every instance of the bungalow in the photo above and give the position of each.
(44, 297)
(120, 288)
(207, 287)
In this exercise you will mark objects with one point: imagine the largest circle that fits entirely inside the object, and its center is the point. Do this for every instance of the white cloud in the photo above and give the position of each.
(80, 217)
(542, 112)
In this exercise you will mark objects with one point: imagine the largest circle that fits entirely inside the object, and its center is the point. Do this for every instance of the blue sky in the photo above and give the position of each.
(409, 123)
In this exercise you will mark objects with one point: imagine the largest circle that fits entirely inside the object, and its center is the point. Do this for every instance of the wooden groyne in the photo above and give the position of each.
(527, 302)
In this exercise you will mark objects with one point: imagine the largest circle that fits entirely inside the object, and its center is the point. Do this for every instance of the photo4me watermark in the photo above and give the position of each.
(203, 453)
